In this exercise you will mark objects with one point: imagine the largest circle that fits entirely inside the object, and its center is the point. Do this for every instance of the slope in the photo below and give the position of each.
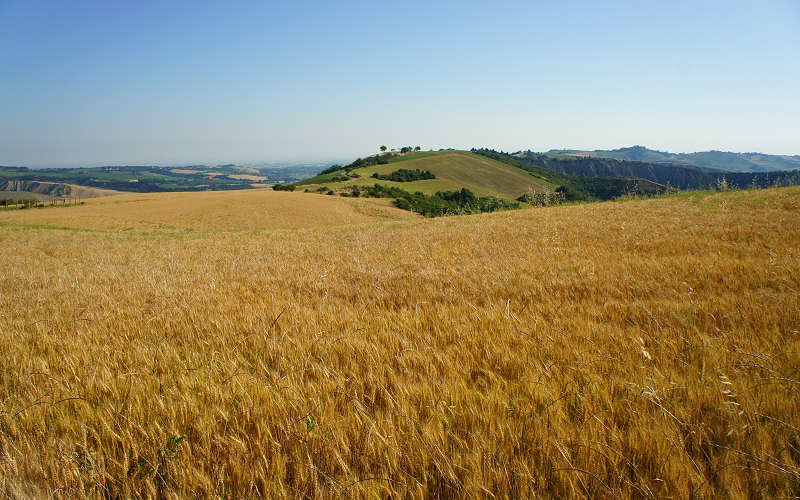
(49, 190)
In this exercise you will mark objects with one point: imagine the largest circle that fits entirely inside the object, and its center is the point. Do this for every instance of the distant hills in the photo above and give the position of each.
(706, 160)
(666, 174)
(144, 179)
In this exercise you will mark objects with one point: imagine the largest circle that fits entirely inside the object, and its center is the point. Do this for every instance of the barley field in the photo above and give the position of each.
(161, 349)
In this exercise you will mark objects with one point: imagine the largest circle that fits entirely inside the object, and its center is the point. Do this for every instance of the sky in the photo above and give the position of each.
(87, 83)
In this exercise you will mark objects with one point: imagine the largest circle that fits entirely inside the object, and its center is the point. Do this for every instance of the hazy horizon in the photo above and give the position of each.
(329, 161)
(95, 83)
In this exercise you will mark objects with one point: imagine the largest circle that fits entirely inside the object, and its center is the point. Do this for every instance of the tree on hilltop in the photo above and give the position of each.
(383, 149)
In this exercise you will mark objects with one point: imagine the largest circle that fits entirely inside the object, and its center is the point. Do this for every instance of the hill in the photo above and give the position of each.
(450, 181)
(452, 169)
(636, 349)
(708, 160)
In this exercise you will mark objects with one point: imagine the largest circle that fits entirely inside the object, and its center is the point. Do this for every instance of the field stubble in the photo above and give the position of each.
(638, 349)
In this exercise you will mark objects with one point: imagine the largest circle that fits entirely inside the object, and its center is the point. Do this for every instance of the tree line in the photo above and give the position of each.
(441, 203)
(380, 159)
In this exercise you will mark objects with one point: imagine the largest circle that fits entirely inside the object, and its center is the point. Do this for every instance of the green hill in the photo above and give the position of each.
(480, 180)
(453, 170)
(451, 181)
(707, 160)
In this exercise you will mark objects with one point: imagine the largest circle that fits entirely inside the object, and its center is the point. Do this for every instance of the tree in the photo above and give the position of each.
(417, 148)
(383, 149)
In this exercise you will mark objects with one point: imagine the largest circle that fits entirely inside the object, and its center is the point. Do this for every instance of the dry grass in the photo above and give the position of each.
(639, 349)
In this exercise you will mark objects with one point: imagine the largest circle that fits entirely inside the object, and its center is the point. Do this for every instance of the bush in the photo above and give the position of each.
(542, 199)
(463, 201)
(405, 175)
(331, 169)
(354, 192)
(283, 187)
(360, 162)
(570, 193)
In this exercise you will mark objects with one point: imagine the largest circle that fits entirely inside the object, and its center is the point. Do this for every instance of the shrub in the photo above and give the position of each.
(542, 199)
(405, 175)
(462, 201)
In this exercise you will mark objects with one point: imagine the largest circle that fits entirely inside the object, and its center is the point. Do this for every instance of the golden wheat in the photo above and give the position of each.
(252, 209)
(635, 349)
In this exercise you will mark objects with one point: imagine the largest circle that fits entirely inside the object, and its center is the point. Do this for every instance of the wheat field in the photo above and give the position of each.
(181, 213)
(644, 349)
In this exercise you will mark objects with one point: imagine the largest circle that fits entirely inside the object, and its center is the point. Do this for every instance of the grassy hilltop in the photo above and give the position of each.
(449, 182)
(207, 345)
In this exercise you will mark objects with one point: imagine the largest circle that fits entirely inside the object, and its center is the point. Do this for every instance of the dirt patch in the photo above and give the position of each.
(246, 177)
(187, 171)
(246, 170)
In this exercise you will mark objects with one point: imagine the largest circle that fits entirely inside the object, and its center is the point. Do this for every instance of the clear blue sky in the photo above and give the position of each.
(108, 82)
